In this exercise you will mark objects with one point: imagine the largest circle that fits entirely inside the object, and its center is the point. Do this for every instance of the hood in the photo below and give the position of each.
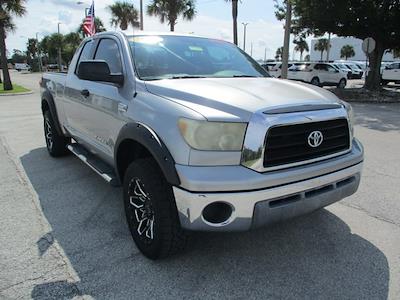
(236, 99)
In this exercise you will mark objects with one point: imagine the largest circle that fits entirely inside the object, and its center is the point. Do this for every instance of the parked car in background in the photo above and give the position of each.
(54, 68)
(276, 70)
(342, 67)
(22, 67)
(356, 71)
(320, 74)
(268, 66)
(391, 73)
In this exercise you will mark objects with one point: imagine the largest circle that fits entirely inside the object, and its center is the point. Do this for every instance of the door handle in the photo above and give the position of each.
(85, 93)
(122, 107)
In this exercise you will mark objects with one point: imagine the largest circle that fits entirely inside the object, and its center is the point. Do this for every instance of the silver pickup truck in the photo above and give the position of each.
(199, 135)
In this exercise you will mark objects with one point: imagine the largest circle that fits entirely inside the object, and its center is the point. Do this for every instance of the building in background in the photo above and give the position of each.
(337, 44)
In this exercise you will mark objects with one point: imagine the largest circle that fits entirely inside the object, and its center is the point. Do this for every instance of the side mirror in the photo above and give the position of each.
(98, 70)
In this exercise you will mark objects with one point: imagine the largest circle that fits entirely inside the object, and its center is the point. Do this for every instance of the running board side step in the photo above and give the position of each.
(96, 164)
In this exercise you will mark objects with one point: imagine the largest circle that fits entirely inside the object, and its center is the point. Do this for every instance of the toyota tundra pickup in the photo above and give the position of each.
(199, 136)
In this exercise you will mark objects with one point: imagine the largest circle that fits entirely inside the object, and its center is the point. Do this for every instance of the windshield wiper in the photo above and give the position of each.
(249, 76)
(186, 76)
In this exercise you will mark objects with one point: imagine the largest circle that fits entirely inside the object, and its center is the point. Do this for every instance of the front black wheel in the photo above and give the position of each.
(55, 143)
(151, 211)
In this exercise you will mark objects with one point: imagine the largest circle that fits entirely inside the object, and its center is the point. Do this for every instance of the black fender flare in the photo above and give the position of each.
(146, 136)
(48, 98)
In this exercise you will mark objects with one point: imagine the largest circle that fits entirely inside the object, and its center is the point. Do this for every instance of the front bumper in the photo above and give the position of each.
(253, 207)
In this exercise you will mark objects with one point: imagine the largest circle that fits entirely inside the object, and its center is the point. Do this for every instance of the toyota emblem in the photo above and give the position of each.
(315, 139)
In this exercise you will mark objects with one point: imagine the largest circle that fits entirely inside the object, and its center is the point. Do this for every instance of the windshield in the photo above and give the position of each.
(175, 57)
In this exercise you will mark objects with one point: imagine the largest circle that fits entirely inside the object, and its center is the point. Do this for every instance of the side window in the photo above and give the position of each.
(108, 51)
(331, 69)
(323, 67)
(317, 67)
(85, 53)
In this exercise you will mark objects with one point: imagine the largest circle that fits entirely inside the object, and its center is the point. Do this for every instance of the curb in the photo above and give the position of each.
(16, 94)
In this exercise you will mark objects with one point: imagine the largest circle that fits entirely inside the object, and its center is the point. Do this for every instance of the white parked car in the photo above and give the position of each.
(391, 73)
(22, 67)
(276, 71)
(320, 74)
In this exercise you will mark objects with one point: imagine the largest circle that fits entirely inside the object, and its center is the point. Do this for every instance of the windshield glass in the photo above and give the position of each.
(175, 57)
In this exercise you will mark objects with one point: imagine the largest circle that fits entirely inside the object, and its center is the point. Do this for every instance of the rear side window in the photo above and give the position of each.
(109, 52)
(85, 53)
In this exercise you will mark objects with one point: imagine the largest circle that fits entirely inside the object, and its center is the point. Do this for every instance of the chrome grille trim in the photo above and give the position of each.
(254, 143)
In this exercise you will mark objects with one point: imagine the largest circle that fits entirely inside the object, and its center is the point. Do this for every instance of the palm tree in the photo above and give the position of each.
(234, 17)
(347, 51)
(322, 45)
(98, 24)
(170, 10)
(71, 42)
(8, 9)
(301, 46)
(123, 14)
(278, 54)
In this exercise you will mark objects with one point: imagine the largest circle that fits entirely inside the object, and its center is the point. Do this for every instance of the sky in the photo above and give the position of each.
(213, 19)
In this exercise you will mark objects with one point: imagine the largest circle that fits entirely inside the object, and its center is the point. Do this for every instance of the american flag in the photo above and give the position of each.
(88, 25)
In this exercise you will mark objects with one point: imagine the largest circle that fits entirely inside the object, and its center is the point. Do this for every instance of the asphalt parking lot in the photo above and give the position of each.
(63, 232)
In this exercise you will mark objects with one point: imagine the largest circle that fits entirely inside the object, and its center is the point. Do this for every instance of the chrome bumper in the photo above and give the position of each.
(252, 209)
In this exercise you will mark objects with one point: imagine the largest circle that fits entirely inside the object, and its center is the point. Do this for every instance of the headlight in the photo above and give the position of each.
(350, 115)
(213, 136)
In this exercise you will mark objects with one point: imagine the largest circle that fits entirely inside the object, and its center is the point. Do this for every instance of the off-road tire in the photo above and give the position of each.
(168, 236)
(56, 144)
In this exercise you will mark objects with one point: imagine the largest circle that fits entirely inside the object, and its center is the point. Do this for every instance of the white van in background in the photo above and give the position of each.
(22, 67)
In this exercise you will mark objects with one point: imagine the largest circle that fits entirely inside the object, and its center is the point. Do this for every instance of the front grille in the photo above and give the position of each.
(288, 144)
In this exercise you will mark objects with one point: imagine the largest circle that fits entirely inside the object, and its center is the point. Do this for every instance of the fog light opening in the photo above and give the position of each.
(217, 213)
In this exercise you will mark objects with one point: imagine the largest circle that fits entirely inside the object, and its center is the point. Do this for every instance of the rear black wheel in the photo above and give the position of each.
(55, 143)
(315, 81)
(151, 211)
(342, 83)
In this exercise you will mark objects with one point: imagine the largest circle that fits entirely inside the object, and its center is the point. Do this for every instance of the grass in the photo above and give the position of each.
(16, 89)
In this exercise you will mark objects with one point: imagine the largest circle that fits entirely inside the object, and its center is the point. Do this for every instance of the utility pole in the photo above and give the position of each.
(285, 55)
(244, 35)
(251, 50)
(59, 48)
(141, 14)
(265, 54)
(39, 54)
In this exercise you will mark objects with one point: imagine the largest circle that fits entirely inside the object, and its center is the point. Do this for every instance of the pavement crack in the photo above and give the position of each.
(380, 218)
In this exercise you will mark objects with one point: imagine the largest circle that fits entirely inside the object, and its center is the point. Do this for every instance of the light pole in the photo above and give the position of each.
(59, 48)
(251, 49)
(265, 54)
(141, 14)
(285, 54)
(39, 54)
(244, 35)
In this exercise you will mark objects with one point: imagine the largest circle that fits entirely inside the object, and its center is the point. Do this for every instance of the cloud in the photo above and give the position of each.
(65, 17)
(71, 4)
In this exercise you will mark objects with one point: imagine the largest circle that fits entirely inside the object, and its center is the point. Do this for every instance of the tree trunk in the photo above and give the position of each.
(234, 16)
(301, 55)
(4, 65)
(172, 26)
(322, 54)
(373, 80)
